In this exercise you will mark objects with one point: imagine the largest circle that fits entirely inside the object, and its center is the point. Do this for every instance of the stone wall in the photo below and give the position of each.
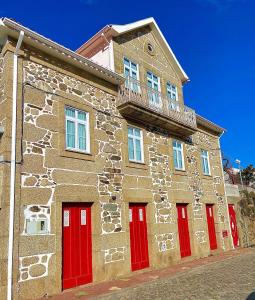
(246, 218)
(50, 176)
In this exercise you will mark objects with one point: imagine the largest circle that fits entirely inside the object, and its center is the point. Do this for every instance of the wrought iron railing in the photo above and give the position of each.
(136, 92)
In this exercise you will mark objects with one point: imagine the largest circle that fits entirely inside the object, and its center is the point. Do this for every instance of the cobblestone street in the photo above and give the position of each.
(233, 278)
(226, 276)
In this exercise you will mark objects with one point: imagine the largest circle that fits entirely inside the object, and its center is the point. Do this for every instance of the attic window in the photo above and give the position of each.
(150, 48)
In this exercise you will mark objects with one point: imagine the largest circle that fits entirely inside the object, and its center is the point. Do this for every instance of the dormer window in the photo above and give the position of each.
(131, 74)
(172, 95)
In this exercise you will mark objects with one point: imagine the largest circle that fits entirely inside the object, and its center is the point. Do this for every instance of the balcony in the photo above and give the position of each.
(140, 102)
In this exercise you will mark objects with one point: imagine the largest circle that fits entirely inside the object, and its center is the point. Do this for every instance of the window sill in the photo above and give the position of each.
(180, 172)
(137, 165)
(207, 177)
(71, 153)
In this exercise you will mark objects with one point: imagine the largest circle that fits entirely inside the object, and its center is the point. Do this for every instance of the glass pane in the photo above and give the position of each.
(82, 115)
(131, 149)
(70, 134)
(133, 66)
(155, 78)
(126, 72)
(82, 136)
(126, 62)
(134, 75)
(149, 83)
(149, 75)
(137, 132)
(130, 131)
(138, 150)
(180, 160)
(70, 112)
(175, 159)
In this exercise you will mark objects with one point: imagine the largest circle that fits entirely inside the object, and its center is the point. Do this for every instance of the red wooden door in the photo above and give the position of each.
(77, 249)
(183, 229)
(211, 226)
(138, 237)
(233, 225)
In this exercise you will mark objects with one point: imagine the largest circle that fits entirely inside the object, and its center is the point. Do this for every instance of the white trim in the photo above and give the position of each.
(111, 56)
(13, 166)
(76, 122)
(130, 71)
(208, 161)
(141, 141)
(182, 152)
(152, 87)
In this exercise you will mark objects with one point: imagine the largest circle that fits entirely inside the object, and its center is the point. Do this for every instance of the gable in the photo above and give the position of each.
(104, 37)
(136, 45)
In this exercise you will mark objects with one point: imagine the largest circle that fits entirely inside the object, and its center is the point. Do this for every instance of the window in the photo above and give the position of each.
(172, 96)
(154, 89)
(131, 74)
(205, 162)
(37, 226)
(135, 144)
(77, 130)
(178, 155)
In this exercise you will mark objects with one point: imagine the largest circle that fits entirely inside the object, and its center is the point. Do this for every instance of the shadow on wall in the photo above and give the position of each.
(251, 296)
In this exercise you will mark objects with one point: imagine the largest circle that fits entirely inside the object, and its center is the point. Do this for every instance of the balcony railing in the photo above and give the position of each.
(136, 93)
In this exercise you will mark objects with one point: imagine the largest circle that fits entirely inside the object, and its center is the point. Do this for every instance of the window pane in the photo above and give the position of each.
(130, 131)
(175, 159)
(82, 115)
(82, 136)
(70, 134)
(70, 112)
(138, 150)
(137, 132)
(131, 149)
(126, 62)
(180, 160)
(133, 66)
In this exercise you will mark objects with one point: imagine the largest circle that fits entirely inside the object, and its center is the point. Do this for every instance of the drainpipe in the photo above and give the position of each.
(228, 219)
(13, 166)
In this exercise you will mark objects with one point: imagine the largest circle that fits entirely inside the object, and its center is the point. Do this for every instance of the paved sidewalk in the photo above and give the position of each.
(230, 275)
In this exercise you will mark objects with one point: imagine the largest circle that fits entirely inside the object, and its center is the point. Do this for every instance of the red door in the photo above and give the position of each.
(77, 250)
(183, 228)
(233, 225)
(138, 237)
(211, 226)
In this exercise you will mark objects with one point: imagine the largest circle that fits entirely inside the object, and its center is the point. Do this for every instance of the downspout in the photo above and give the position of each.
(13, 166)
(228, 219)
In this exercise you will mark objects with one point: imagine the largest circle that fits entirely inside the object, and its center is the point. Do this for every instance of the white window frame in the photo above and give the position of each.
(182, 155)
(130, 73)
(203, 157)
(159, 105)
(141, 141)
(169, 90)
(76, 122)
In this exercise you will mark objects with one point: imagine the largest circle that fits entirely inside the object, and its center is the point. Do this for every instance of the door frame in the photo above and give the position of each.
(214, 208)
(76, 204)
(147, 236)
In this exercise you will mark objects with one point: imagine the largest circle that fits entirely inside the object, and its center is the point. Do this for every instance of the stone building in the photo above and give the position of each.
(103, 168)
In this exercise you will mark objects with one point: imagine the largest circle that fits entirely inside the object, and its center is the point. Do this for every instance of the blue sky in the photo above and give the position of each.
(214, 40)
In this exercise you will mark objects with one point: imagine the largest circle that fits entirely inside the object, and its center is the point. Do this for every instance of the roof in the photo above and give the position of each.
(11, 28)
(117, 30)
(210, 125)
